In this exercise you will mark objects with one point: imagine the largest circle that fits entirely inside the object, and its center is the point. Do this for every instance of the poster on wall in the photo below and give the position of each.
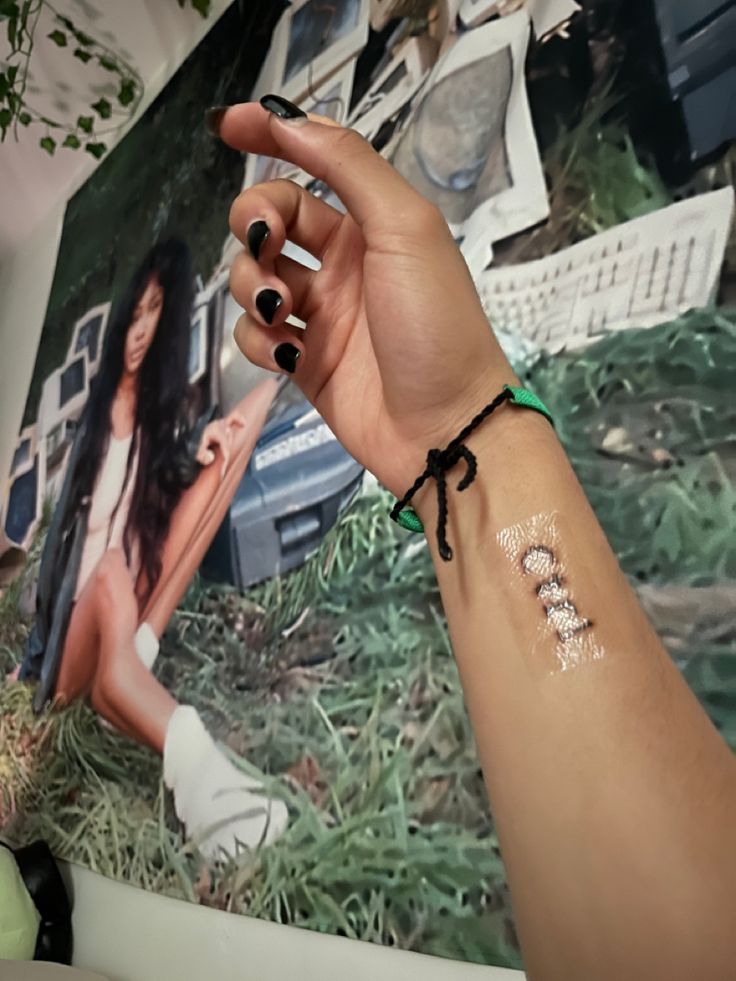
(225, 674)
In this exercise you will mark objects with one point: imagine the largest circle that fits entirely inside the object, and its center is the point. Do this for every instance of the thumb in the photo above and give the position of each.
(366, 183)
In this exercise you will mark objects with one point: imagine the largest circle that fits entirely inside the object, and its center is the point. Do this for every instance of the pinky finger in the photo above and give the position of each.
(278, 348)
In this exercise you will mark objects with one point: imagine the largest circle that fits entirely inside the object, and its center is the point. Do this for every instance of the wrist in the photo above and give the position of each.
(505, 446)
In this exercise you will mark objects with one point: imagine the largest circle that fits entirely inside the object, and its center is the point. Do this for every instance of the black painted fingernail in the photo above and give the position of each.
(257, 234)
(286, 357)
(282, 107)
(213, 119)
(268, 302)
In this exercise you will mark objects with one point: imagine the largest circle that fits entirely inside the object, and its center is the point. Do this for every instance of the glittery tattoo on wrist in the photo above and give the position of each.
(566, 636)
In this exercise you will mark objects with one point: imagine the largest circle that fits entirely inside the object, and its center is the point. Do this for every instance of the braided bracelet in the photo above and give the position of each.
(439, 462)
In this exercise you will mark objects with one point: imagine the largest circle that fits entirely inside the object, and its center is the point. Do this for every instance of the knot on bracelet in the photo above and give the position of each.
(439, 463)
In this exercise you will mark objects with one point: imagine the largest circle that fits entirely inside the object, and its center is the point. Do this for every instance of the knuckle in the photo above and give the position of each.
(283, 184)
(238, 277)
(351, 141)
(237, 211)
(427, 219)
(346, 145)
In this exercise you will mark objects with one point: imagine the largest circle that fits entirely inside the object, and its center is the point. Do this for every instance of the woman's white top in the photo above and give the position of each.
(107, 517)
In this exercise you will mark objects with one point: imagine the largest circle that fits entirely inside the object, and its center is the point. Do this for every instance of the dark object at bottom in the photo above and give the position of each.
(298, 481)
(46, 888)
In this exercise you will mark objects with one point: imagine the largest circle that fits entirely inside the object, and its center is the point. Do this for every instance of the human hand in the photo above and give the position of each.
(218, 435)
(397, 354)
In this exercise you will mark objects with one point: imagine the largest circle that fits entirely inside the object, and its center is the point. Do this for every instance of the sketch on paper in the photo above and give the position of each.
(470, 146)
(388, 100)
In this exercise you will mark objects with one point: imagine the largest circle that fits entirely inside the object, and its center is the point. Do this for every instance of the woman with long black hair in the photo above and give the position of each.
(142, 500)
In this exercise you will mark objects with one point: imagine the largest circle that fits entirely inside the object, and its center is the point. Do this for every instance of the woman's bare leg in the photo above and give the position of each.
(201, 510)
(81, 654)
(99, 654)
(81, 649)
(99, 657)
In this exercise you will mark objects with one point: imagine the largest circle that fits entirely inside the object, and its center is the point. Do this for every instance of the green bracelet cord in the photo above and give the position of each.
(439, 462)
(528, 400)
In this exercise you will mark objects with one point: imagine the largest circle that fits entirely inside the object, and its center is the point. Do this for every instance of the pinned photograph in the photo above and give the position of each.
(546, 15)
(393, 90)
(474, 12)
(384, 11)
(311, 41)
(470, 145)
(23, 500)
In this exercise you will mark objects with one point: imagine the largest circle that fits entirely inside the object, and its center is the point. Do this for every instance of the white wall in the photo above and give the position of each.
(155, 35)
(26, 273)
(130, 935)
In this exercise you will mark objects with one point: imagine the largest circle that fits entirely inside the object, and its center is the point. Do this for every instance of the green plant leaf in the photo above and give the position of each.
(8, 8)
(96, 149)
(58, 37)
(12, 73)
(126, 95)
(85, 123)
(72, 141)
(4, 85)
(12, 32)
(83, 55)
(108, 63)
(84, 39)
(24, 118)
(65, 22)
(48, 143)
(103, 108)
(6, 117)
(202, 7)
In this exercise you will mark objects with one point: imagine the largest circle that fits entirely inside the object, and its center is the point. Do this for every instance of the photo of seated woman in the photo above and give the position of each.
(146, 488)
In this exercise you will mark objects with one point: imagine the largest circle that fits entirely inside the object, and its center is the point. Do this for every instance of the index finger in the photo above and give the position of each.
(365, 182)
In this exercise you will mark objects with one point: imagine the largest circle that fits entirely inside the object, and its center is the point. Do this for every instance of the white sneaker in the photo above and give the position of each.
(219, 805)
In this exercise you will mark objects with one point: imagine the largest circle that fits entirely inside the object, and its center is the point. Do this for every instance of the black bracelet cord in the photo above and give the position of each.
(440, 462)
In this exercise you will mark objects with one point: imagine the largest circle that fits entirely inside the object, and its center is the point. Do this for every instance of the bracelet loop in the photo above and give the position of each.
(439, 462)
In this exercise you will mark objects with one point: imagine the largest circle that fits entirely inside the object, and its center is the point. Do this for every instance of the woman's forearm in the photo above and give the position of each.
(612, 793)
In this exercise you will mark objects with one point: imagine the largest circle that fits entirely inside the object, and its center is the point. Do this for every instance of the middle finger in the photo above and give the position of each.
(272, 296)
(288, 212)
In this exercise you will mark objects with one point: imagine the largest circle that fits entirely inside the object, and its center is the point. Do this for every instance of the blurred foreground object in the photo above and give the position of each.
(35, 912)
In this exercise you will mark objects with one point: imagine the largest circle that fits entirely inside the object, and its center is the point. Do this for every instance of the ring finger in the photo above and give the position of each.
(279, 348)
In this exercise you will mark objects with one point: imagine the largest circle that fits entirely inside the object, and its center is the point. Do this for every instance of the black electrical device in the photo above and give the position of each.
(689, 47)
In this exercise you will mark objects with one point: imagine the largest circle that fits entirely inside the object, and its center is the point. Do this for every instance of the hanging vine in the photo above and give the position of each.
(103, 117)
